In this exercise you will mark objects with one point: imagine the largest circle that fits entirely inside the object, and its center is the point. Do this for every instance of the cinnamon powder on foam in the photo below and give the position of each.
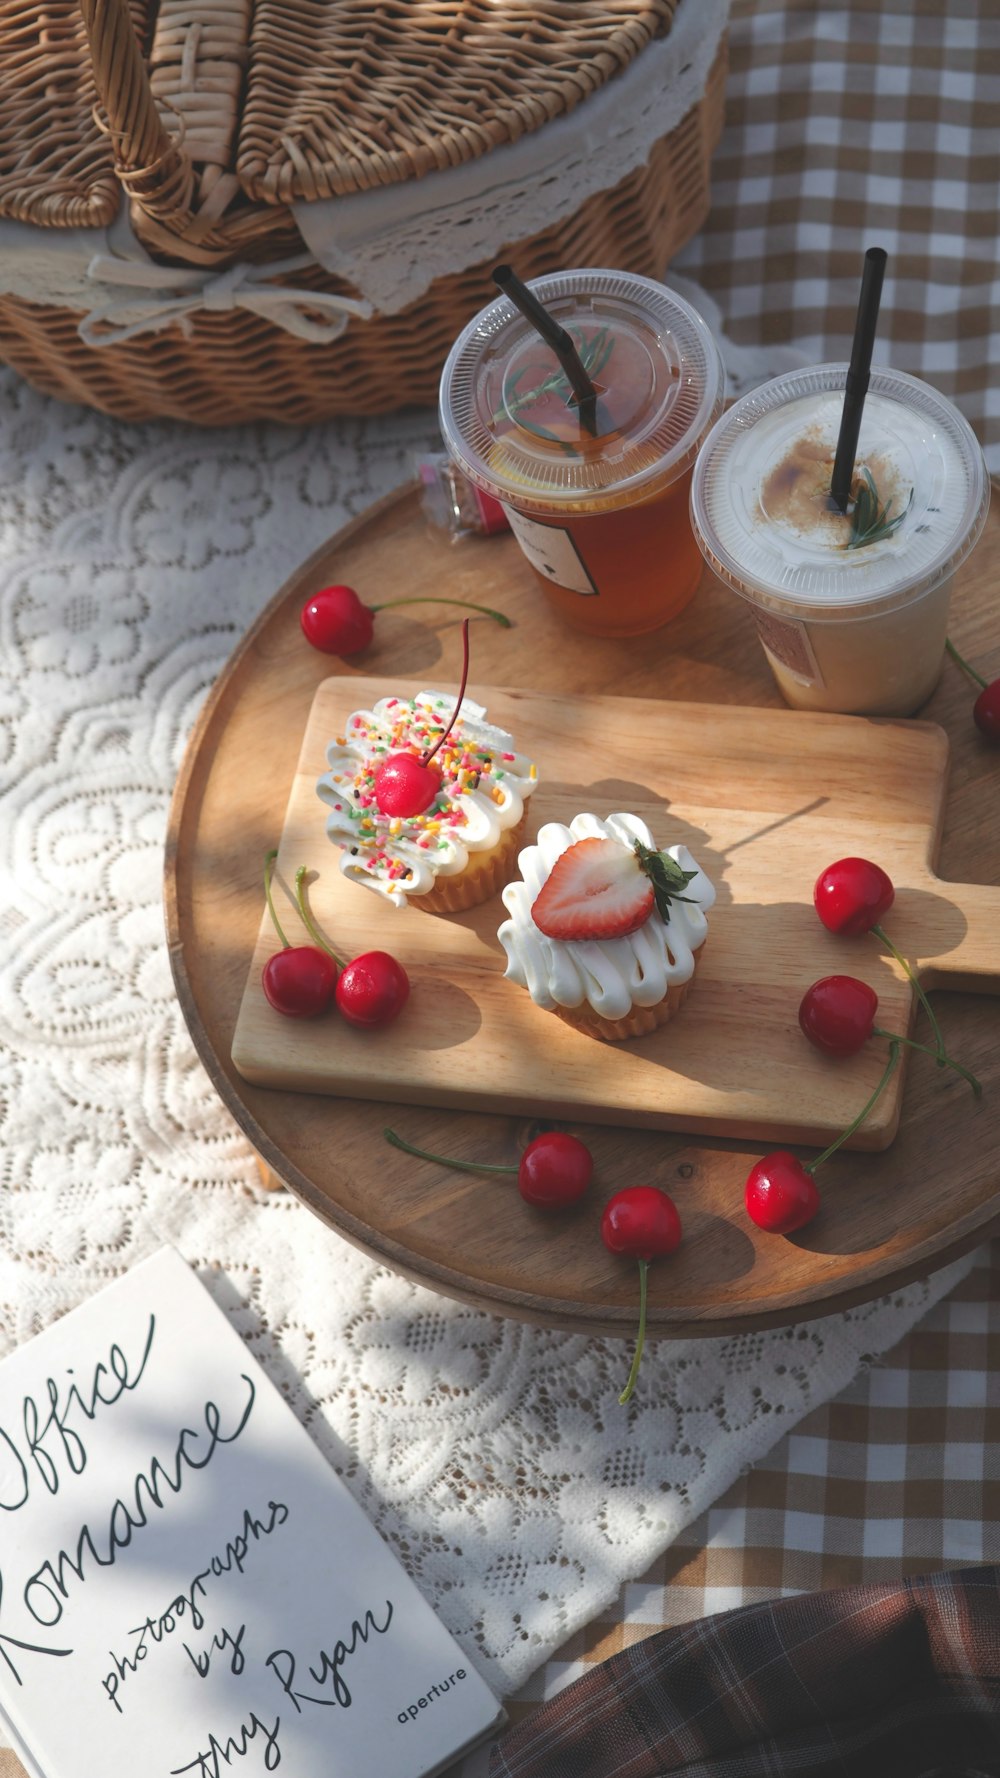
(797, 491)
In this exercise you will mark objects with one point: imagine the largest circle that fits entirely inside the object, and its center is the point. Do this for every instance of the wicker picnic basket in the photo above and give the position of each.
(210, 118)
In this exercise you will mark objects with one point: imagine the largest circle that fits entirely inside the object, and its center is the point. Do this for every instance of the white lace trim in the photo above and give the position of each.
(392, 243)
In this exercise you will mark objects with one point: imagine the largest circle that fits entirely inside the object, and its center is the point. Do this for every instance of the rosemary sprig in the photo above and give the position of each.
(666, 876)
(594, 354)
(868, 523)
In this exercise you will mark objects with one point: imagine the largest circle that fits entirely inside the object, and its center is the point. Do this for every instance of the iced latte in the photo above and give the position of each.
(851, 608)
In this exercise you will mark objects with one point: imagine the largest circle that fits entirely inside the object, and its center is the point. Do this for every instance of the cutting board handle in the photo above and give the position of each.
(959, 937)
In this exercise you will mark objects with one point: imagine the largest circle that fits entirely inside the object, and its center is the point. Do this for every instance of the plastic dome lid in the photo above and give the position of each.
(761, 507)
(507, 412)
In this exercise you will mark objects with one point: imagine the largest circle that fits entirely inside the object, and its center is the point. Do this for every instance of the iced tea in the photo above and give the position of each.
(598, 501)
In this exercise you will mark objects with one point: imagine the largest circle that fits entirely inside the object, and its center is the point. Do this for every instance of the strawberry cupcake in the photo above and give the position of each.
(604, 929)
(426, 804)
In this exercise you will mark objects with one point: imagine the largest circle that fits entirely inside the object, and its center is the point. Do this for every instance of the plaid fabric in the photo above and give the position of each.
(898, 1477)
(869, 1681)
(870, 123)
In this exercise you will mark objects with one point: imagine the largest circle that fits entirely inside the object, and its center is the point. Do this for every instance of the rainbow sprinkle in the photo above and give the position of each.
(469, 771)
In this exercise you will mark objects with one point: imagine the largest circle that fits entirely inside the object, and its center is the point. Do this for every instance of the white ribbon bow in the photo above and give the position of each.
(171, 295)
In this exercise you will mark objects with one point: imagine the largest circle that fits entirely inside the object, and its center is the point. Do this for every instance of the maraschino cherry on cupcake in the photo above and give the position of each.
(426, 799)
(606, 929)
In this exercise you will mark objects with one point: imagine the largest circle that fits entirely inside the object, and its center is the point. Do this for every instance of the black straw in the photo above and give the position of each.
(555, 336)
(858, 375)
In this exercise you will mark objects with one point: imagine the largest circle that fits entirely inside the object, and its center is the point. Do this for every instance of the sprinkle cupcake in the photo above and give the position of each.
(604, 929)
(461, 846)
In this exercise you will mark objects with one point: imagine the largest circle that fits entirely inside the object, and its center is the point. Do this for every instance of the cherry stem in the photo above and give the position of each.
(810, 1166)
(426, 758)
(307, 919)
(881, 933)
(641, 1338)
(268, 864)
(466, 604)
(894, 1037)
(424, 1154)
(953, 651)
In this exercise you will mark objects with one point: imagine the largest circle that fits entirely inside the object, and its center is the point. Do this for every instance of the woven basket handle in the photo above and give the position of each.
(151, 167)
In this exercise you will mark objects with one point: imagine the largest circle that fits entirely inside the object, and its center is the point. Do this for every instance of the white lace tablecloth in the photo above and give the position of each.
(493, 1456)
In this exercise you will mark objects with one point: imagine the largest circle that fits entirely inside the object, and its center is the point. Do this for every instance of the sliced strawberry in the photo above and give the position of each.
(596, 889)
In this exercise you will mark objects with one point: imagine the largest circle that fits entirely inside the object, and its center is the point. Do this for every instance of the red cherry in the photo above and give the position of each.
(335, 621)
(300, 981)
(780, 1195)
(554, 1171)
(852, 895)
(641, 1220)
(986, 709)
(837, 1014)
(406, 785)
(986, 712)
(373, 989)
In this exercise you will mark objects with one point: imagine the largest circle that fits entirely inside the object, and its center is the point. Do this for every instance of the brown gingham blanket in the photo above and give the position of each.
(897, 1681)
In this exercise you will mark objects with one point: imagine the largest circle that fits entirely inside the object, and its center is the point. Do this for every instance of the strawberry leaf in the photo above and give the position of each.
(669, 880)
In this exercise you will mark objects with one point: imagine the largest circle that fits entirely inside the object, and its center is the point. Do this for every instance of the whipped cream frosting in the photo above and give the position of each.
(483, 791)
(615, 974)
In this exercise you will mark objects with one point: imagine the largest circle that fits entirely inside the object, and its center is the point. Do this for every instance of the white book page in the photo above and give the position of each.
(185, 1584)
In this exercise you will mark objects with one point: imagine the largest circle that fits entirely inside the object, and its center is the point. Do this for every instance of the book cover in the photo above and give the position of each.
(186, 1586)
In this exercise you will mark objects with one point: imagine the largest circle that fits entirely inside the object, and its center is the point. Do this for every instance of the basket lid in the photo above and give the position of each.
(349, 97)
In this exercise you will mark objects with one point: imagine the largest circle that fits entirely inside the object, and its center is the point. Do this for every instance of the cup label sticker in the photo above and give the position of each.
(788, 641)
(552, 551)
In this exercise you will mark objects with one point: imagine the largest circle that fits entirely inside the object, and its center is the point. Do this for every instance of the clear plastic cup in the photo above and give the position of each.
(847, 625)
(602, 517)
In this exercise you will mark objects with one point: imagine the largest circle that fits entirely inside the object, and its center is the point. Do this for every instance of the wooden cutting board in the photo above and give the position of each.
(764, 799)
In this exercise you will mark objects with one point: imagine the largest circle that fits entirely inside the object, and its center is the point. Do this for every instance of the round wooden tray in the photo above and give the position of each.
(886, 1218)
